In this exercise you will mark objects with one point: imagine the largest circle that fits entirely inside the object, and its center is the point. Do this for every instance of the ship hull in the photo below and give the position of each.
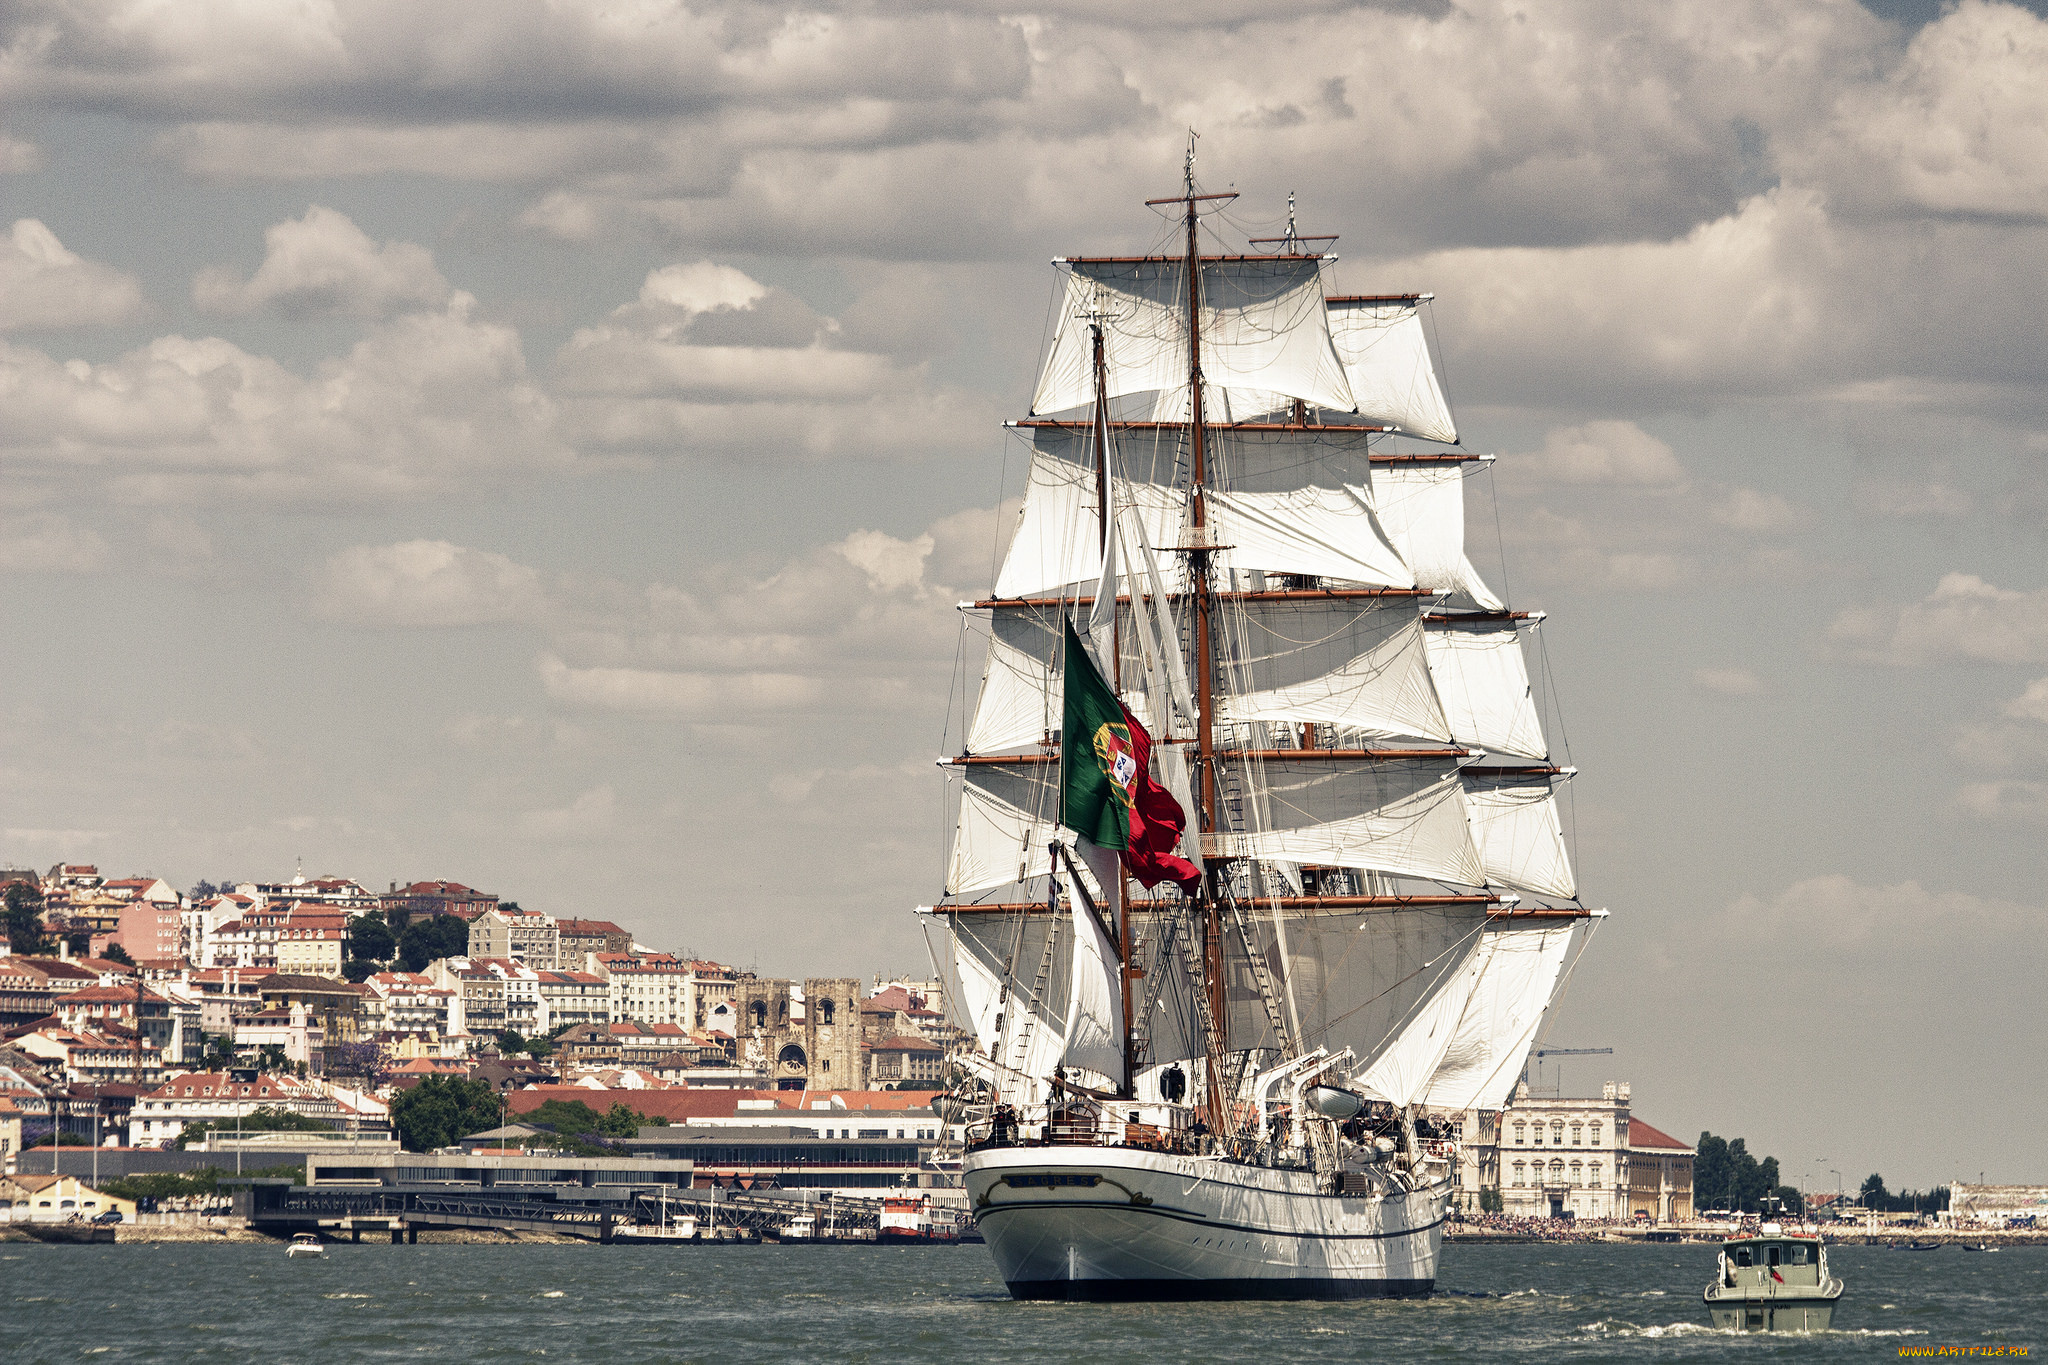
(1105, 1223)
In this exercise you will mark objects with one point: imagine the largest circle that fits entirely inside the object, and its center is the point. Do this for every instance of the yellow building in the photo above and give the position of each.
(56, 1199)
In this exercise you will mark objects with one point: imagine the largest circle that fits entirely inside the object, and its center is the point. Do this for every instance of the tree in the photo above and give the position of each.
(511, 1042)
(358, 970)
(430, 939)
(1726, 1175)
(25, 919)
(1872, 1194)
(441, 1110)
(270, 1057)
(368, 1063)
(79, 941)
(116, 953)
(1793, 1201)
(220, 1051)
(371, 939)
(1490, 1200)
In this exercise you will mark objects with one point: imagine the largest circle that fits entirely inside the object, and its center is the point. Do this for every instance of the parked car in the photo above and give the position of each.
(110, 1216)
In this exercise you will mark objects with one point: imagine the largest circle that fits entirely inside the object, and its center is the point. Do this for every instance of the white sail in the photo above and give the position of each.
(1094, 998)
(1357, 664)
(1020, 698)
(1519, 970)
(995, 959)
(1321, 532)
(1406, 818)
(1386, 358)
(1404, 1068)
(997, 839)
(1359, 977)
(1422, 509)
(1521, 843)
(1483, 684)
(1263, 327)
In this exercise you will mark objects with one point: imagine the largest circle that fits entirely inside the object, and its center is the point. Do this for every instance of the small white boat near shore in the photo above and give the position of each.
(305, 1246)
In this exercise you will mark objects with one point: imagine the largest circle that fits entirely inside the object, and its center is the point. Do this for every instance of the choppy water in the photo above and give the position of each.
(905, 1305)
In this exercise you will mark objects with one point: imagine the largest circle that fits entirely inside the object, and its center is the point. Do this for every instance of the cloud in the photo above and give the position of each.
(2031, 704)
(2015, 801)
(426, 400)
(1606, 452)
(1957, 127)
(594, 812)
(324, 265)
(888, 562)
(49, 543)
(708, 361)
(1964, 618)
(44, 287)
(1841, 917)
(1728, 682)
(426, 583)
(18, 157)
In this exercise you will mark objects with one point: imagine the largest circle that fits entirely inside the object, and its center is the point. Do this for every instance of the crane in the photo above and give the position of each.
(1540, 1053)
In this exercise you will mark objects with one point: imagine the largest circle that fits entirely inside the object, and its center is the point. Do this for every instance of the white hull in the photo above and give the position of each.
(1121, 1223)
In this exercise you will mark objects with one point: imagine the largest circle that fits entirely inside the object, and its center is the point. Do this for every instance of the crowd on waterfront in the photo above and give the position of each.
(1539, 1229)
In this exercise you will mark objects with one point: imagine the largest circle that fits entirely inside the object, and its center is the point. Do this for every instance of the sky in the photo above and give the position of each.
(541, 446)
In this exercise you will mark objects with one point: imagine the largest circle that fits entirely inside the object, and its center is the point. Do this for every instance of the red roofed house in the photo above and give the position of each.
(160, 1115)
(1659, 1174)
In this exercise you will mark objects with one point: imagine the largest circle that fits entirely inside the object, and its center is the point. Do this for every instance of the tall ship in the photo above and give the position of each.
(1230, 1020)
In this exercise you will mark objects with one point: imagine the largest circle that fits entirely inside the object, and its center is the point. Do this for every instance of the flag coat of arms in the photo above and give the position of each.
(1107, 792)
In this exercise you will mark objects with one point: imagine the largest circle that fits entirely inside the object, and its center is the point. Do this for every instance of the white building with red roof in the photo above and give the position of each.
(215, 1096)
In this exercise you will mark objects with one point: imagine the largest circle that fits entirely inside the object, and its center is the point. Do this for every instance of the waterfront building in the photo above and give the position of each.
(1996, 1206)
(56, 1199)
(1550, 1156)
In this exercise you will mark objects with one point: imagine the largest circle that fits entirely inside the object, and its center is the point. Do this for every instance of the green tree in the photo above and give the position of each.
(1490, 1200)
(25, 919)
(1872, 1194)
(430, 939)
(511, 1042)
(441, 1110)
(270, 1057)
(370, 939)
(116, 953)
(358, 970)
(1793, 1200)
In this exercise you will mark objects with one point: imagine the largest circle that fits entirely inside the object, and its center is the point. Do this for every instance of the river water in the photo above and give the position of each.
(904, 1305)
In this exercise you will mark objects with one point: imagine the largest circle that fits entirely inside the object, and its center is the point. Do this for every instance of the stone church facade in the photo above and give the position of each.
(805, 1037)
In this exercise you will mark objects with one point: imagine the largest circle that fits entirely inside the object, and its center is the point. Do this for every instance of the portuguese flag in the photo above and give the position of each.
(1107, 792)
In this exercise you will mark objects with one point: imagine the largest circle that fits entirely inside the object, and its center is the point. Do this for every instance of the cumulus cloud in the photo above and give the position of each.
(2031, 704)
(43, 286)
(18, 157)
(1957, 127)
(49, 543)
(425, 400)
(708, 360)
(1964, 618)
(1607, 452)
(323, 265)
(426, 583)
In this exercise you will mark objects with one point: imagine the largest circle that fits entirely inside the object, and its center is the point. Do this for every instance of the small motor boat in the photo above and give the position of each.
(304, 1244)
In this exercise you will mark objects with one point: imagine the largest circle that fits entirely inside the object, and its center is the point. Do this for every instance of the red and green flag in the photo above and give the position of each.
(1107, 792)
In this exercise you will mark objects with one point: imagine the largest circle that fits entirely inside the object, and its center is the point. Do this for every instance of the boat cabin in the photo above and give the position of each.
(1767, 1259)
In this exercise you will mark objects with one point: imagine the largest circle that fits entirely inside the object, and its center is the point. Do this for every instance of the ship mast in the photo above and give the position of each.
(1121, 898)
(1199, 552)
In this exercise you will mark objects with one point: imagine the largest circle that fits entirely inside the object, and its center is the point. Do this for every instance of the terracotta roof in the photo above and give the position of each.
(1641, 1134)
(683, 1105)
